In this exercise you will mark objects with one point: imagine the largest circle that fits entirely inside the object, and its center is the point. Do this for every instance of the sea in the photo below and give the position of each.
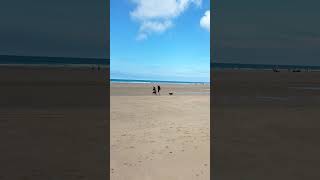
(154, 81)
(50, 61)
(67, 61)
(262, 66)
(41, 60)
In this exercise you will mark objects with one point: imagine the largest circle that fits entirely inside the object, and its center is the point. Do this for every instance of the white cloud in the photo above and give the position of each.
(205, 21)
(155, 26)
(156, 16)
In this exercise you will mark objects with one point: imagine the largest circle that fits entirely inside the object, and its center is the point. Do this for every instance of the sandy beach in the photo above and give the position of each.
(53, 123)
(265, 125)
(160, 137)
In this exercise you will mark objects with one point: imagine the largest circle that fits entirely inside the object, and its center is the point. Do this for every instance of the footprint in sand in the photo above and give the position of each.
(127, 164)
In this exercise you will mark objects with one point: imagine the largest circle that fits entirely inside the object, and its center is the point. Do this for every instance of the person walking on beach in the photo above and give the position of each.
(159, 88)
(154, 91)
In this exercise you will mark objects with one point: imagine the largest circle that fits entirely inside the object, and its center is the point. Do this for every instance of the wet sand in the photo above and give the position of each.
(53, 123)
(265, 125)
(160, 137)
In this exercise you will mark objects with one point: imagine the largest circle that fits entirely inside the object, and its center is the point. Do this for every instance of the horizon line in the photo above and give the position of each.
(54, 56)
(152, 80)
(266, 64)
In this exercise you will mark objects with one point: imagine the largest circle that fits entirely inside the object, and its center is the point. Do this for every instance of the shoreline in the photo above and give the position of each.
(145, 89)
(163, 83)
(139, 81)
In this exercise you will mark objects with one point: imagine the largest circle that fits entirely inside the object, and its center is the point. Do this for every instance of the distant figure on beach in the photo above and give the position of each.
(159, 88)
(154, 91)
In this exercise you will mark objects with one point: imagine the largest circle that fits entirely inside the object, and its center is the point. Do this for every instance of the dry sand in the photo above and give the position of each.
(160, 137)
(53, 123)
(265, 125)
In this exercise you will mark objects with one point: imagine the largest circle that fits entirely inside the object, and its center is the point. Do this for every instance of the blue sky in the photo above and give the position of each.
(160, 40)
(266, 32)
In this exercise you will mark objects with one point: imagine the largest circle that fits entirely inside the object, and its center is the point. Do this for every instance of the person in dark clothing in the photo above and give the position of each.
(159, 88)
(154, 91)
